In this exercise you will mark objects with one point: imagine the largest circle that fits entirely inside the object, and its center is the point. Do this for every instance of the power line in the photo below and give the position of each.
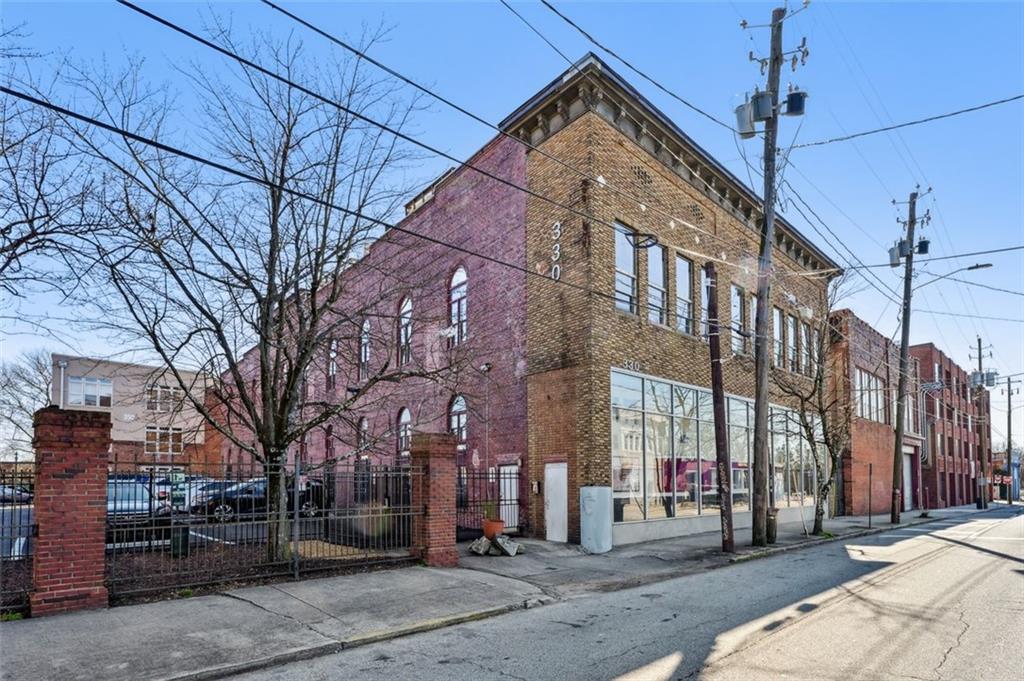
(971, 316)
(919, 121)
(267, 183)
(630, 66)
(600, 181)
(397, 133)
(1006, 249)
(978, 284)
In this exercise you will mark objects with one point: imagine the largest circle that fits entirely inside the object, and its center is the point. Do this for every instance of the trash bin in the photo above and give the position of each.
(179, 539)
(773, 524)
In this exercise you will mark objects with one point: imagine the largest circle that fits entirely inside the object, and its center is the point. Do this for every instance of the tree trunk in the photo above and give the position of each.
(819, 516)
(278, 548)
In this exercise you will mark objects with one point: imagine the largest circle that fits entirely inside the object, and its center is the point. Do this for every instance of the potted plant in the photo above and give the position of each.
(493, 525)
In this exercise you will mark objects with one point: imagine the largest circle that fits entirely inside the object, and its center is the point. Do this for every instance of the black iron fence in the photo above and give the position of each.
(17, 487)
(495, 494)
(173, 528)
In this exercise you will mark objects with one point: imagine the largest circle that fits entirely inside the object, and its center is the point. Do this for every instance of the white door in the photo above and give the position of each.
(556, 502)
(508, 492)
(908, 483)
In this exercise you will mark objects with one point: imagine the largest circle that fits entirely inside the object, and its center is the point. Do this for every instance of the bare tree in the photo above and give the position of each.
(822, 404)
(45, 189)
(263, 285)
(24, 388)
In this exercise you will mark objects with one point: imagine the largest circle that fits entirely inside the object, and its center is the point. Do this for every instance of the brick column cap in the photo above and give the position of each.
(433, 445)
(49, 421)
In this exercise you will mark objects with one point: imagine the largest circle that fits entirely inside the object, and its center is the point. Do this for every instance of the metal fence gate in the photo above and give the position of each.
(497, 491)
(208, 524)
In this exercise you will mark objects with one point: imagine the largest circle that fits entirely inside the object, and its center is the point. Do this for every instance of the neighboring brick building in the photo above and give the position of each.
(953, 465)
(597, 363)
(153, 424)
(865, 366)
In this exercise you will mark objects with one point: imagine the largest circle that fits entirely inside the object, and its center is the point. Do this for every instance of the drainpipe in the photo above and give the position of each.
(63, 365)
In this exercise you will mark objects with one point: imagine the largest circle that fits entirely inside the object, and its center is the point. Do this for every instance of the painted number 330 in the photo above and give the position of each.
(556, 251)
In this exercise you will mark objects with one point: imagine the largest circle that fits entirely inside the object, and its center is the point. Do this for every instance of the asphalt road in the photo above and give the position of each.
(938, 601)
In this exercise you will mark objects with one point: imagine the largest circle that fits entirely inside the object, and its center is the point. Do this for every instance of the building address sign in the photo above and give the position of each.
(556, 251)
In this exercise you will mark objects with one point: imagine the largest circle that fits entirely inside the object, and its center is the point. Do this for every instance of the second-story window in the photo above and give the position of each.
(705, 293)
(457, 320)
(364, 350)
(405, 331)
(870, 397)
(805, 348)
(163, 398)
(329, 442)
(657, 285)
(457, 420)
(684, 295)
(89, 392)
(332, 363)
(363, 435)
(779, 336)
(625, 269)
(404, 431)
(740, 342)
(793, 359)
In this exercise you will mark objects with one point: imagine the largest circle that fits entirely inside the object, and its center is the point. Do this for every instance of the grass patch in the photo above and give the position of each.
(183, 593)
(11, 617)
(828, 535)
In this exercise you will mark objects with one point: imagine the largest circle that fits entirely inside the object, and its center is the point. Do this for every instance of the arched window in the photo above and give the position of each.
(457, 419)
(405, 331)
(404, 431)
(364, 350)
(332, 363)
(363, 435)
(457, 307)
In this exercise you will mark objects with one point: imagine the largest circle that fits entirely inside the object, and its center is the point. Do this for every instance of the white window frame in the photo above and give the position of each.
(458, 320)
(405, 331)
(89, 391)
(164, 445)
(162, 398)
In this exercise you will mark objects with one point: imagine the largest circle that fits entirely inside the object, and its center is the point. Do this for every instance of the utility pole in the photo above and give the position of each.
(983, 448)
(764, 292)
(765, 108)
(901, 390)
(1009, 435)
(718, 405)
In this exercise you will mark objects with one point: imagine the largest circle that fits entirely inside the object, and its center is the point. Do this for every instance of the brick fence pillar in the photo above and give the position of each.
(433, 496)
(70, 510)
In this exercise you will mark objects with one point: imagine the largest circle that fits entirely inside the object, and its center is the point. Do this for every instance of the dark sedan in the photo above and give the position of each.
(250, 497)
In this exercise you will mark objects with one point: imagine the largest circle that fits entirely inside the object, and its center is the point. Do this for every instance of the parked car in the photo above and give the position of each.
(14, 495)
(179, 493)
(250, 497)
(133, 514)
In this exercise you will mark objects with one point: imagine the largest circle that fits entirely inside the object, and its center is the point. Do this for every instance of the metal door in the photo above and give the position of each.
(508, 493)
(908, 483)
(556, 502)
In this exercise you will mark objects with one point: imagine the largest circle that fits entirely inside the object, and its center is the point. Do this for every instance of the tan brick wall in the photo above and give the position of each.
(572, 329)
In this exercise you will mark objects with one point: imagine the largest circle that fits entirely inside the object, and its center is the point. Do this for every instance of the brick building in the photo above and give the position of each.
(956, 430)
(593, 369)
(865, 367)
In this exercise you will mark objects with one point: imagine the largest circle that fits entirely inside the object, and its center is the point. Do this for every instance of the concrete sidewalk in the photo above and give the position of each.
(215, 636)
(564, 571)
(218, 635)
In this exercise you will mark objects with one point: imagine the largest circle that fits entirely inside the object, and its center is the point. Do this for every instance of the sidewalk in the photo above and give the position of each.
(214, 636)
(564, 571)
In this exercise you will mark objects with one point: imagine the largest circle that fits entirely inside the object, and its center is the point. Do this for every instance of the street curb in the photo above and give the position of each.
(839, 537)
(312, 652)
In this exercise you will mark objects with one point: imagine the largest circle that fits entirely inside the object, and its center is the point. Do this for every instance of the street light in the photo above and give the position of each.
(977, 266)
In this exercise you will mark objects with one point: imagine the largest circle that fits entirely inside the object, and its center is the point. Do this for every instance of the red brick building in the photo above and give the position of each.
(594, 368)
(955, 430)
(865, 366)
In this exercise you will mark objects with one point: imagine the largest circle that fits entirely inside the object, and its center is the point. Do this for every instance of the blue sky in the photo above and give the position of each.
(870, 64)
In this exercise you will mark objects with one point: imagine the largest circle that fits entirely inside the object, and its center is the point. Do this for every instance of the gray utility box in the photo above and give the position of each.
(596, 519)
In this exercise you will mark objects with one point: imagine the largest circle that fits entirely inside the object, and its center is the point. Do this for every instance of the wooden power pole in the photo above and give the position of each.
(901, 389)
(764, 288)
(718, 405)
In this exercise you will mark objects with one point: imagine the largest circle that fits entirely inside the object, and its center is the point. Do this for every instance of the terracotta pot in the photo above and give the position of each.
(492, 528)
